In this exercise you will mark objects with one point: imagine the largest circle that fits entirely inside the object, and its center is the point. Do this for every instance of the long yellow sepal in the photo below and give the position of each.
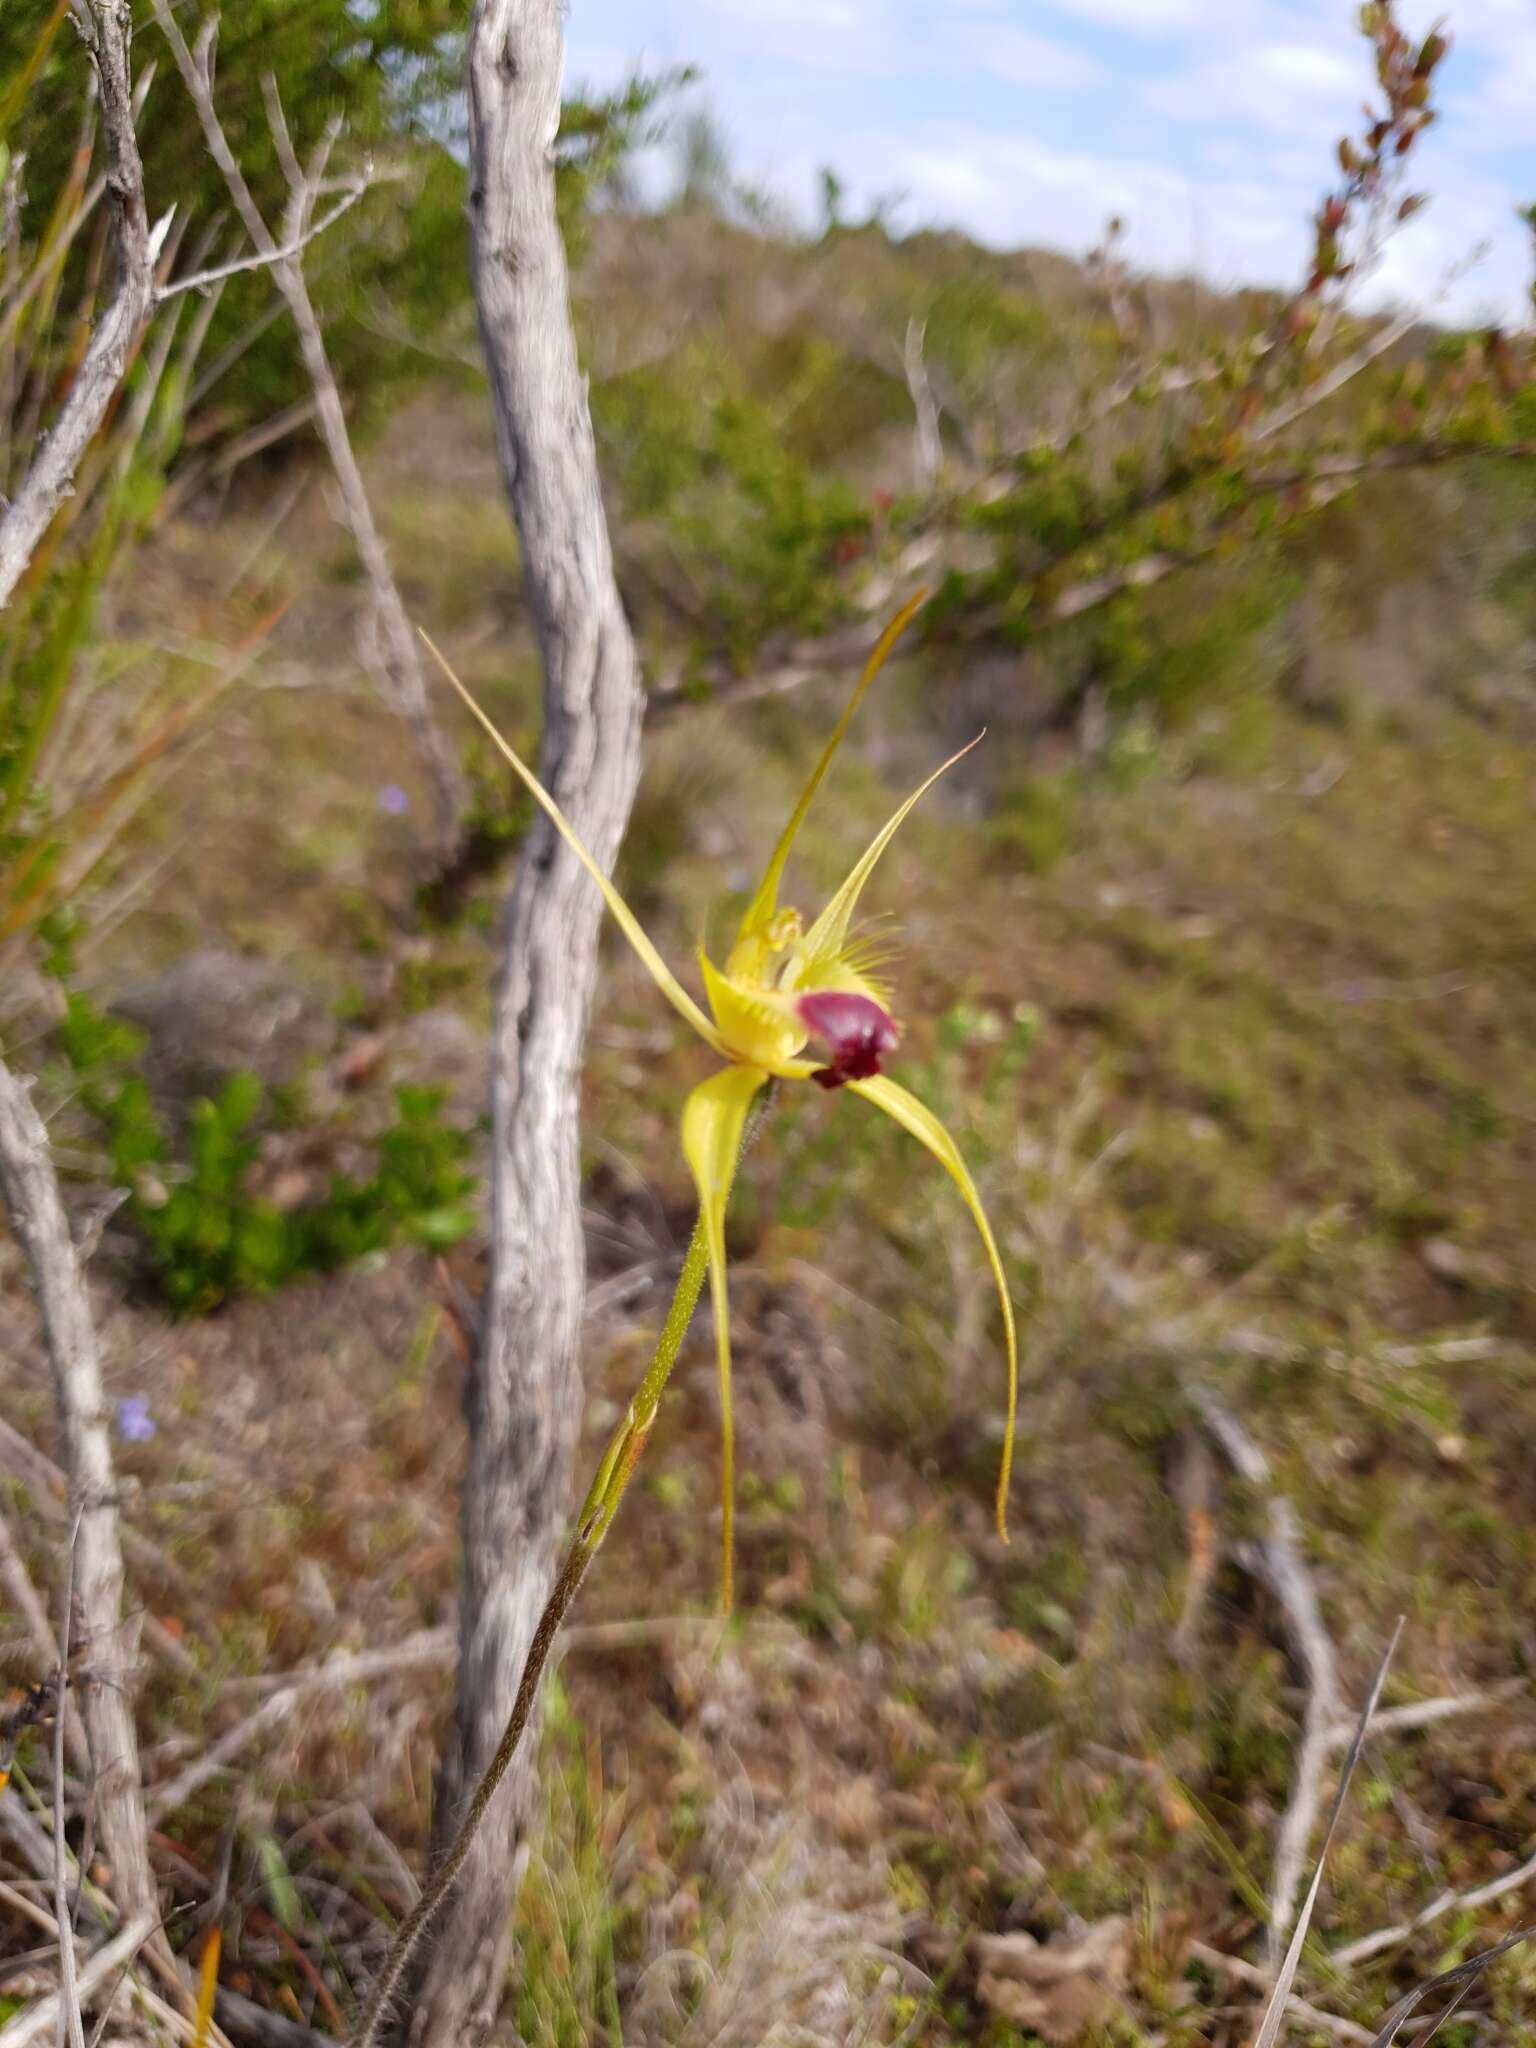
(766, 901)
(914, 1116)
(828, 936)
(714, 1118)
(623, 916)
(207, 1986)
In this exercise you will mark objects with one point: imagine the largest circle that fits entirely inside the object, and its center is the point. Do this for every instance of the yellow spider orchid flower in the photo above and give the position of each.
(783, 986)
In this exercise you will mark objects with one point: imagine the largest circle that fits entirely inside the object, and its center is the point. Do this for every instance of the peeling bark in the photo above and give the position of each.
(523, 1397)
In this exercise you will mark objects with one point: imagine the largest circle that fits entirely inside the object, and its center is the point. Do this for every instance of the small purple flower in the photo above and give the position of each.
(135, 1424)
(394, 800)
(855, 1029)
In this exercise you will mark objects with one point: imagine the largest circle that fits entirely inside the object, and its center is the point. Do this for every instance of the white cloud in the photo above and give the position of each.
(1023, 58)
(1286, 88)
(1009, 189)
(812, 17)
(1147, 17)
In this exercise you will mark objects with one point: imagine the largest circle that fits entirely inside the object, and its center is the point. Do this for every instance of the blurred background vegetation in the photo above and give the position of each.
(1220, 955)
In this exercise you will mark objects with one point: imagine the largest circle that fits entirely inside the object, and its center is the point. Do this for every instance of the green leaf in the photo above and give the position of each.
(278, 1879)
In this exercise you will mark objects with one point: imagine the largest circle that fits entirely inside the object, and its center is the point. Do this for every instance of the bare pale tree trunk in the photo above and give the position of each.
(927, 441)
(105, 27)
(523, 1394)
(108, 1639)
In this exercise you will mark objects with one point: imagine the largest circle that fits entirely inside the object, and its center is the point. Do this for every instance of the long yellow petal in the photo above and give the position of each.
(714, 1118)
(623, 916)
(766, 901)
(829, 934)
(916, 1117)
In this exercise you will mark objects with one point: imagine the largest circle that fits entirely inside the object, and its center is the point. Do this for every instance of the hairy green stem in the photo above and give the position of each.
(614, 1472)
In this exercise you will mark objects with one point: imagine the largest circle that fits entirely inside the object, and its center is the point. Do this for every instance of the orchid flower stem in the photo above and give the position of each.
(615, 1470)
(440, 1883)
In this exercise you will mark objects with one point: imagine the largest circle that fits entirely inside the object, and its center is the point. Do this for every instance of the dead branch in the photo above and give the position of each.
(433, 1647)
(39, 2021)
(1351, 1953)
(49, 1490)
(34, 1845)
(29, 1189)
(1277, 1559)
(200, 280)
(71, 2023)
(18, 1584)
(30, 1911)
(1263, 1980)
(430, 1646)
(1429, 1713)
(254, 2023)
(401, 669)
(106, 28)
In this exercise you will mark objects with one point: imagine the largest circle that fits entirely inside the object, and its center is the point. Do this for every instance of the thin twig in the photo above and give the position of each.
(1368, 1945)
(1273, 2023)
(37, 2021)
(264, 259)
(1263, 1980)
(33, 1844)
(71, 2026)
(434, 1647)
(429, 1646)
(29, 1605)
(1405, 1720)
(29, 1188)
(105, 29)
(1277, 1559)
(401, 670)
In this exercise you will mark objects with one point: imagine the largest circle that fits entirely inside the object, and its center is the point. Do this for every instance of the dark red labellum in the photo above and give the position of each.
(856, 1031)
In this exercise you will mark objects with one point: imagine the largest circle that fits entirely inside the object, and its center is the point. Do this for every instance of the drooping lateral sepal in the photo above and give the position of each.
(714, 1118)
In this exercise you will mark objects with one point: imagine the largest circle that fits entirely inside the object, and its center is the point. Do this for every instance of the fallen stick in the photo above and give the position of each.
(1427, 1713)
(29, 1910)
(433, 1646)
(1262, 1980)
(1278, 1561)
(35, 1846)
(49, 1490)
(39, 2021)
(440, 1646)
(29, 1605)
(429, 1646)
(1368, 1945)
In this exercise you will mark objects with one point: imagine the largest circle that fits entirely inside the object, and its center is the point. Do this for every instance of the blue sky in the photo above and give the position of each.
(1208, 125)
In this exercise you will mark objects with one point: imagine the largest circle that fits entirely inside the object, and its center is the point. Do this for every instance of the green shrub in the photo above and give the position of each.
(204, 1234)
(757, 537)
